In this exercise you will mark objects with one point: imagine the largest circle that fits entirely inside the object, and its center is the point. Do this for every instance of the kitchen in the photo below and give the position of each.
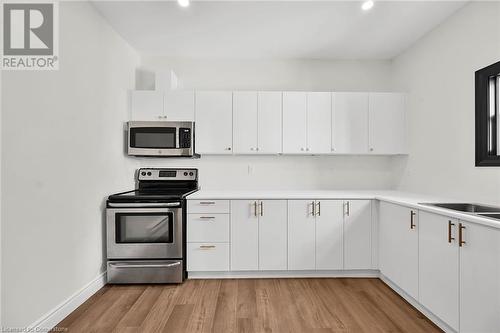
(318, 149)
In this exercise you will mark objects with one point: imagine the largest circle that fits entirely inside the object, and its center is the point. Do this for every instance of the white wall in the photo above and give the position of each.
(280, 172)
(438, 72)
(62, 153)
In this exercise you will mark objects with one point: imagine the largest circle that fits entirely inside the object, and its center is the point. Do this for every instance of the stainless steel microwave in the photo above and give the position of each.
(161, 138)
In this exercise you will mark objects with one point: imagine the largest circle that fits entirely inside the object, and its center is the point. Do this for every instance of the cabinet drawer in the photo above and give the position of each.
(207, 257)
(208, 206)
(208, 228)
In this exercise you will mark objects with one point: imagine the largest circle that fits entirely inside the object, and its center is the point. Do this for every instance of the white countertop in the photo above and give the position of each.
(408, 199)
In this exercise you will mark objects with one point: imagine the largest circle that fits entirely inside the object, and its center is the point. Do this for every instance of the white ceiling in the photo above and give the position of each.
(277, 29)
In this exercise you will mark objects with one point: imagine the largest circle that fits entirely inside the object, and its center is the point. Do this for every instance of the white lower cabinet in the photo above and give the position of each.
(438, 266)
(398, 246)
(206, 257)
(258, 235)
(273, 235)
(329, 234)
(318, 239)
(244, 235)
(301, 235)
(357, 234)
(479, 279)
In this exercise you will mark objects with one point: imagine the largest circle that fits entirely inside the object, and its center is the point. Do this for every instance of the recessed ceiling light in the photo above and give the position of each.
(367, 5)
(183, 3)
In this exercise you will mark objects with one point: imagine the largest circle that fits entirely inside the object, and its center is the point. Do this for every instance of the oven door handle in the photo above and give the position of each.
(143, 205)
(146, 265)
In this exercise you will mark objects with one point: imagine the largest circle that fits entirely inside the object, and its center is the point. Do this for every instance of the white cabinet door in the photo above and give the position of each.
(398, 246)
(350, 123)
(479, 279)
(319, 122)
(294, 122)
(301, 235)
(147, 105)
(214, 122)
(244, 235)
(329, 234)
(245, 122)
(178, 105)
(438, 266)
(357, 234)
(273, 235)
(387, 123)
(269, 122)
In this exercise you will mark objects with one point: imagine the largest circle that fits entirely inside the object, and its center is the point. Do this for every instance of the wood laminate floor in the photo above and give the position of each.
(249, 305)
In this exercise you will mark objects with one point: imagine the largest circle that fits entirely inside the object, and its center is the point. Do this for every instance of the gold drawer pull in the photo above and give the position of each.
(207, 247)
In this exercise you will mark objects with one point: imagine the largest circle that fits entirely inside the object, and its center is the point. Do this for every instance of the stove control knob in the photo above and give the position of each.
(149, 173)
(143, 173)
(191, 173)
(185, 173)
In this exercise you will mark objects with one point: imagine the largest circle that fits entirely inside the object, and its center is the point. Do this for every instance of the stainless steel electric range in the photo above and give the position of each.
(146, 227)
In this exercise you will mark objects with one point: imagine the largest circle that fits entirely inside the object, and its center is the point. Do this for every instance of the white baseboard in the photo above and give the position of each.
(284, 274)
(61, 311)
(441, 324)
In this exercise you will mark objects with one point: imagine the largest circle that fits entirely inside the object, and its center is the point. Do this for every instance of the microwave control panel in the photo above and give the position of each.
(184, 137)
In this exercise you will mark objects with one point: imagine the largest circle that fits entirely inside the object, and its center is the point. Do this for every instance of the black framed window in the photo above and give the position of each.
(488, 116)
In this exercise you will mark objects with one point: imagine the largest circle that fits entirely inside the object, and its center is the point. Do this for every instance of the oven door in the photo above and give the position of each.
(144, 233)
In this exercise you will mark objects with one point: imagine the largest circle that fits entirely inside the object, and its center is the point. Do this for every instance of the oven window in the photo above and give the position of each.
(144, 228)
(153, 137)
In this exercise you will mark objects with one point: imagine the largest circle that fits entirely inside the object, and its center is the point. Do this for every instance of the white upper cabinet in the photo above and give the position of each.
(151, 105)
(398, 244)
(294, 122)
(214, 122)
(387, 123)
(329, 234)
(319, 122)
(245, 106)
(438, 266)
(269, 122)
(357, 234)
(178, 105)
(350, 123)
(257, 122)
(307, 122)
(147, 105)
(479, 279)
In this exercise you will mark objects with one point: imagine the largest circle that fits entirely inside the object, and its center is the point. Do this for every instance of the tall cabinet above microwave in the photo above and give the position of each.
(161, 138)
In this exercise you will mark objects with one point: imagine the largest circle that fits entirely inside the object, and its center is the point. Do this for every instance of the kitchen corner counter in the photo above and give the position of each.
(408, 199)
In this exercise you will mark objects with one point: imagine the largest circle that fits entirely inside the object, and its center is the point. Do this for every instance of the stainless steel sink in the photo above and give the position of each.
(465, 207)
(490, 215)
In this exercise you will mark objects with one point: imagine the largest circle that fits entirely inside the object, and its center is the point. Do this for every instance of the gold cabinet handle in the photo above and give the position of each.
(255, 208)
(412, 215)
(261, 208)
(318, 204)
(207, 217)
(450, 224)
(313, 213)
(207, 247)
(461, 241)
(207, 202)
(348, 208)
